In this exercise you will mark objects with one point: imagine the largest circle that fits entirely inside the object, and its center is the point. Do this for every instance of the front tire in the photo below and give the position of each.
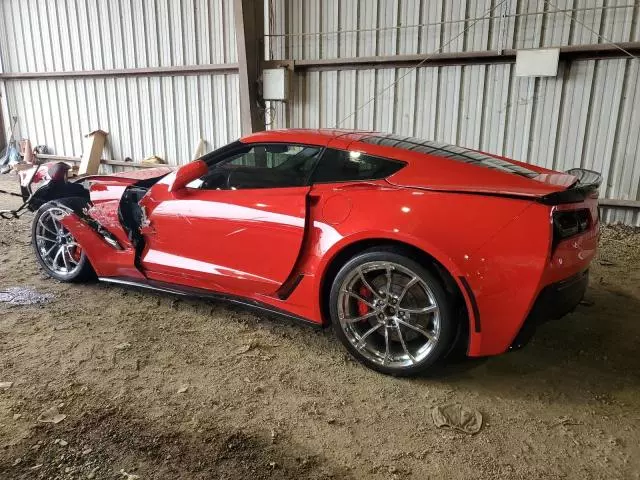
(391, 313)
(56, 249)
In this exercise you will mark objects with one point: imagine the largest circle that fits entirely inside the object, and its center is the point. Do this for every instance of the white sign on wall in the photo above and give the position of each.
(539, 62)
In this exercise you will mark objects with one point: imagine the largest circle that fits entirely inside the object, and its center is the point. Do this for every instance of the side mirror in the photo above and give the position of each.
(187, 174)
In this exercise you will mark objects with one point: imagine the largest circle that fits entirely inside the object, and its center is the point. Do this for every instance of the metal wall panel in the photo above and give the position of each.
(63, 35)
(145, 115)
(159, 115)
(338, 28)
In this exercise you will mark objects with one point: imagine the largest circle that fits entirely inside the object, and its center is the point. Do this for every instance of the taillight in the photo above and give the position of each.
(567, 223)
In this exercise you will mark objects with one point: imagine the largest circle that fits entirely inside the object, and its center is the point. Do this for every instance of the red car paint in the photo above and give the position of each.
(485, 227)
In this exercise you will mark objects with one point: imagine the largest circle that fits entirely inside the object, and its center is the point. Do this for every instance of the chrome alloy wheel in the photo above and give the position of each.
(56, 246)
(389, 314)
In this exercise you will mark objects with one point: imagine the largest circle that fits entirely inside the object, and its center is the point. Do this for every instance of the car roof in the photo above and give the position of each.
(317, 136)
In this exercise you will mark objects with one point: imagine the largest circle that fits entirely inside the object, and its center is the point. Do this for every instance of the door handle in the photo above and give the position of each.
(355, 186)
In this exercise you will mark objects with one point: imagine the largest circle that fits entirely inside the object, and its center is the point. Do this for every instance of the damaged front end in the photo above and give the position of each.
(101, 212)
(43, 183)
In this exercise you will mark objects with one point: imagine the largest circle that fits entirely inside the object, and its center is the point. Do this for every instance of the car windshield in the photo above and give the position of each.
(453, 152)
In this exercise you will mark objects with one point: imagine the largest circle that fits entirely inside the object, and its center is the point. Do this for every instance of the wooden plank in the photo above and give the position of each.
(613, 202)
(103, 161)
(93, 146)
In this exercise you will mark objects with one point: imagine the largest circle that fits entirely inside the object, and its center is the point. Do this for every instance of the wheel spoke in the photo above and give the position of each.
(406, 288)
(358, 297)
(54, 262)
(46, 239)
(386, 345)
(58, 225)
(366, 283)
(41, 223)
(366, 334)
(358, 319)
(64, 259)
(429, 336)
(388, 275)
(71, 259)
(404, 345)
(417, 311)
(46, 254)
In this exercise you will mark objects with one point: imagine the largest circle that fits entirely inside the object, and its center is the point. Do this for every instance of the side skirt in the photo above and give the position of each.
(209, 295)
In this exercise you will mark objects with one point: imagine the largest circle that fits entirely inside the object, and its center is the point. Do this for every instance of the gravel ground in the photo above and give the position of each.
(165, 388)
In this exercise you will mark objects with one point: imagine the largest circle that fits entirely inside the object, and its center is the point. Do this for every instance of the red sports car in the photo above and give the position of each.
(409, 248)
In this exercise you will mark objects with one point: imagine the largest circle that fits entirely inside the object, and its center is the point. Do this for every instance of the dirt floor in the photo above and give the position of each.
(166, 388)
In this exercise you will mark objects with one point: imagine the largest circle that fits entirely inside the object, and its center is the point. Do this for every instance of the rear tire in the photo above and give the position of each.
(391, 313)
(57, 251)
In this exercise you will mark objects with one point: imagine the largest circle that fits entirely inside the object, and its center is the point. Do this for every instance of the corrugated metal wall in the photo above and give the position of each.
(587, 116)
(145, 115)
(313, 29)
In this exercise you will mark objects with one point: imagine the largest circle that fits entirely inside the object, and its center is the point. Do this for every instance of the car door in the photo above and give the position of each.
(237, 229)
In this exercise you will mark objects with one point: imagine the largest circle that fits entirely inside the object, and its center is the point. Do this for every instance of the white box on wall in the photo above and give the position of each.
(539, 62)
(275, 84)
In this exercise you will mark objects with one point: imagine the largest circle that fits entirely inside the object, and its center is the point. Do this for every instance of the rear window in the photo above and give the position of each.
(453, 152)
(343, 166)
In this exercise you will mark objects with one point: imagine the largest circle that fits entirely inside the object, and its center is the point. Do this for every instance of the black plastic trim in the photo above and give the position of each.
(477, 327)
(554, 302)
(209, 295)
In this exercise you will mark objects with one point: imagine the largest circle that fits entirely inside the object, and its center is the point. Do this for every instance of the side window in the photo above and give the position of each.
(342, 166)
(262, 166)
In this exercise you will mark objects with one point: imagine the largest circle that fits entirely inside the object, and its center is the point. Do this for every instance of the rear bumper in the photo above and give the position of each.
(553, 302)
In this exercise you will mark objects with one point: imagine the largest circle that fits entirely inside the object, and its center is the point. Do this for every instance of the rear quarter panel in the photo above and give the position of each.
(453, 228)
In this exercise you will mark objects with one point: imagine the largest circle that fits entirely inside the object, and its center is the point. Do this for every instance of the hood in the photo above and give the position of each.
(130, 176)
(111, 187)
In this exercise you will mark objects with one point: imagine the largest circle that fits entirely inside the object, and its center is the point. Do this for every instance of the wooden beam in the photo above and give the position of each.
(119, 163)
(614, 202)
(249, 22)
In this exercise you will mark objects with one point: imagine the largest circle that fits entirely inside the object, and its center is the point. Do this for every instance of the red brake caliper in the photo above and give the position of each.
(363, 308)
(76, 253)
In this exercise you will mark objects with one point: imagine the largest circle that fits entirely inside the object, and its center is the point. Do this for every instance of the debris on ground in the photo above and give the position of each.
(51, 415)
(566, 420)
(122, 346)
(23, 296)
(6, 385)
(128, 476)
(458, 417)
(183, 389)
(244, 348)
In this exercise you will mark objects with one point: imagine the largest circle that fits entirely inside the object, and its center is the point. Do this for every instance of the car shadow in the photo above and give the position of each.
(592, 349)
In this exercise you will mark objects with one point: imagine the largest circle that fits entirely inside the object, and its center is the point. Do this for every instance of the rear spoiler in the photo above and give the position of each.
(586, 186)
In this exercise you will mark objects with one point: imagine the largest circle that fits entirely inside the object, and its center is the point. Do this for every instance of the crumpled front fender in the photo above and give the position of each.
(106, 255)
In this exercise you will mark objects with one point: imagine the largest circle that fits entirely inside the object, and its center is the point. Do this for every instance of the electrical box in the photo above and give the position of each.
(539, 62)
(275, 84)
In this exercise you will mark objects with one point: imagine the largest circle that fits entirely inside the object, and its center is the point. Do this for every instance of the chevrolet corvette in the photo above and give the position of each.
(409, 249)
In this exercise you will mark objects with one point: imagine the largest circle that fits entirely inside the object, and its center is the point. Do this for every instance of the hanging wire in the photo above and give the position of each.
(601, 37)
(422, 62)
(446, 22)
